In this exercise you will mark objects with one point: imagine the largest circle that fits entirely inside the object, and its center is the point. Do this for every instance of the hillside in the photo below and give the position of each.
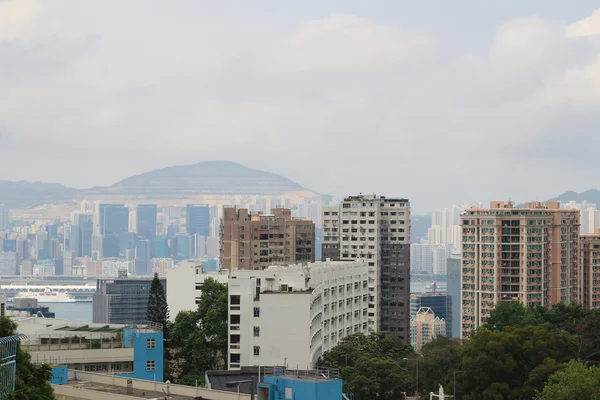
(28, 194)
(589, 196)
(205, 178)
(172, 185)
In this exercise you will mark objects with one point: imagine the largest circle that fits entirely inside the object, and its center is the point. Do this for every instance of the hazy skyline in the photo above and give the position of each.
(439, 101)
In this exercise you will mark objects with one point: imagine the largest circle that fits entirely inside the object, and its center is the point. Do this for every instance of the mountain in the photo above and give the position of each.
(27, 194)
(589, 196)
(209, 178)
(216, 180)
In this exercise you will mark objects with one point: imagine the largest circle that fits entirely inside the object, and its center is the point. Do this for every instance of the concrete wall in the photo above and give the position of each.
(177, 390)
(284, 329)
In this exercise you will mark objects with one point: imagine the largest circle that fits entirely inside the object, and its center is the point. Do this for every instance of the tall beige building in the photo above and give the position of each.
(255, 241)
(375, 229)
(590, 268)
(528, 254)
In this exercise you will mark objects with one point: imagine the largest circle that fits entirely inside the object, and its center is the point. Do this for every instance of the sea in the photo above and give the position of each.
(78, 312)
(81, 312)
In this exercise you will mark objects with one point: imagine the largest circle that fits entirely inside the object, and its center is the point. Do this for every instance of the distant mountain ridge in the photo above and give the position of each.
(589, 196)
(177, 183)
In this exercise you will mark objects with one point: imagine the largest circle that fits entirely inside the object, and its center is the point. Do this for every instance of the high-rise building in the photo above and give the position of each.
(122, 300)
(421, 258)
(114, 219)
(4, 220)
(425, 326)
(327, 301)
(453, 278)
(330, 243)
(8, 263)
(85, 222)
(590, 268)
(529, 254)
(146, 224)
(377, 230)
(143, 257)
(255, 241)
(198, 219)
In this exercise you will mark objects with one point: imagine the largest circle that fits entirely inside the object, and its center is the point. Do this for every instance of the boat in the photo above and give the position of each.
(47, 296)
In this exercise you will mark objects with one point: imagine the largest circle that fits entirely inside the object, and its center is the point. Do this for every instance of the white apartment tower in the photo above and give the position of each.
(376, 229)
(293, 314)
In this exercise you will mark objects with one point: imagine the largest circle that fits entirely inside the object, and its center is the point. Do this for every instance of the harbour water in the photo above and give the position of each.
(73, 312)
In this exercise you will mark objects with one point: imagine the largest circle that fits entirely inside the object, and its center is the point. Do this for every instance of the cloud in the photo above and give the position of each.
(17, 17)
(340, 103)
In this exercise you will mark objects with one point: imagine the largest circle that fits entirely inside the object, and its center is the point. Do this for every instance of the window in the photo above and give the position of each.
(256, 350)
(151, 365)
(289, 393)
(257, 311)
(150, 343)
(256, 331)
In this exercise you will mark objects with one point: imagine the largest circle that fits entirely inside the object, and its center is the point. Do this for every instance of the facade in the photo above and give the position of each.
(122, 300)
(529, 254)
(330, 243)
(143, 257)
(293, 314)
(85, 222)
(8, 263)
(114, 219)
(453, 328)
(198, 219)
(425, 326)
(184, 285)
(255, 241)
(306, 385)
(146, 223)
(440, 303)
(377, 229)
(4, 217)
(590, 269)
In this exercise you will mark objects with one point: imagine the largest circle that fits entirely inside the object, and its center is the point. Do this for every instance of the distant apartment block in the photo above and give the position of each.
(198, 219)
(330, 244)
(376, 229)
(440, 303)
(253, 241)
(293, 314)
(529, 254)
(425, 326)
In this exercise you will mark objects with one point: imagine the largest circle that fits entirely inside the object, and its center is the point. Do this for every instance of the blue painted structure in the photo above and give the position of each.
(8, 363)
(60, 375)
(147, 353)
(285, 387)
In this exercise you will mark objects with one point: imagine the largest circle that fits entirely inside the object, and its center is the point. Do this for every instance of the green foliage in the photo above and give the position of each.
(437, 362)
(512, 364)
(32, 381)
(575, 381)
(377, 378)
(372, 366)
(199, 338)
(158, 310)
(192, 380)
(509, 313)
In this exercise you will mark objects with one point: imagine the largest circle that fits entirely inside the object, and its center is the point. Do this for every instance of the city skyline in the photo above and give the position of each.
(421, 92)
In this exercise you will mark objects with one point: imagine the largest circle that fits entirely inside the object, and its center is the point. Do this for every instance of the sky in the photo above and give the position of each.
(438, 101)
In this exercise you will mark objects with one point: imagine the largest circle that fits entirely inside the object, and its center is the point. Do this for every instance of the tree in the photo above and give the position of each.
(507, 313)
(31, 381)
(199, 338)
(574, 381)
(158, 310)
(512, 364)
(377, 378)
(353, 347)
(438, 361)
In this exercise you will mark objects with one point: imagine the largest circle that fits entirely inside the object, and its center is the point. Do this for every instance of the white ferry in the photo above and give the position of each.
(47, 296)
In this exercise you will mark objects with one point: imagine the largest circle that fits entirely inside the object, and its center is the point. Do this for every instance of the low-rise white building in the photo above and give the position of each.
(184, 283)
(293, 314)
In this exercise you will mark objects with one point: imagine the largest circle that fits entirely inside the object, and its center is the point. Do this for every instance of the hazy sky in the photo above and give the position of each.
(438, 101)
